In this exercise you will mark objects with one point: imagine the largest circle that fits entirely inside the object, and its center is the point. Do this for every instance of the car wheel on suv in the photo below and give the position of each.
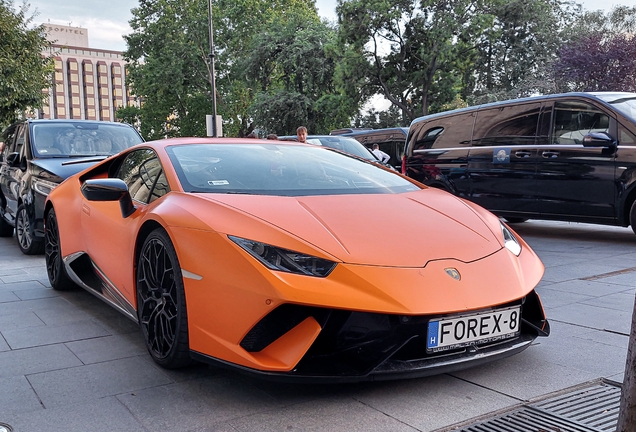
(28, 245)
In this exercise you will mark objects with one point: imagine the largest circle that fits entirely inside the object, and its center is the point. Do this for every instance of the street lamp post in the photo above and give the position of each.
(211, 55)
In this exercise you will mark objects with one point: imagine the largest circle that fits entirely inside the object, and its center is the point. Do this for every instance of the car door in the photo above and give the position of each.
(437, 151)
(576, 182)
(12, 171)
(143, 174)
(503, 156)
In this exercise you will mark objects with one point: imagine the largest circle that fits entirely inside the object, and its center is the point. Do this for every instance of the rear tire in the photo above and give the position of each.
(53, 256)
(28, 244)
(161, 306)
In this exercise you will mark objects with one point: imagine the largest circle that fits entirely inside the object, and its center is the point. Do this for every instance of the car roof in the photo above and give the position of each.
(62, 121)
(587, 95)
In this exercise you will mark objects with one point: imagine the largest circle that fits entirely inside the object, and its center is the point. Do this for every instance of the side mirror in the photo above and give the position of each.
(109, 189)
(598, 139)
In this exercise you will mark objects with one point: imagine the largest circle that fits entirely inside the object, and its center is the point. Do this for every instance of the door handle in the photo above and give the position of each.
(550, 154)
(523, 154)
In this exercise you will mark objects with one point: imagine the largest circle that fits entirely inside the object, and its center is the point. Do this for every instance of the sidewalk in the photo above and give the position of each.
(69, 362)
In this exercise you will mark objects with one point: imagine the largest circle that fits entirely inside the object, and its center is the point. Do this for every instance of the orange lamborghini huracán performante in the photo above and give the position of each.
(270, 257)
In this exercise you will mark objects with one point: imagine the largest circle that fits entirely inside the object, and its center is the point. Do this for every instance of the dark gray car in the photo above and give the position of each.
(37, 155)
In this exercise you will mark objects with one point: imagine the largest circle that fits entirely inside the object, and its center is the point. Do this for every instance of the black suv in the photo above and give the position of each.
(39, 154)
(565, 157)
(390, 140)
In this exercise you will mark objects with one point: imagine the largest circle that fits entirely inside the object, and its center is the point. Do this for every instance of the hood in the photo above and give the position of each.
(66, 167)
(401, 230)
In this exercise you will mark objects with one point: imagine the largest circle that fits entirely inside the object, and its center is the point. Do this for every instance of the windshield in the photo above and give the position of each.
(625, 103)
(76, 139)
(285, 170)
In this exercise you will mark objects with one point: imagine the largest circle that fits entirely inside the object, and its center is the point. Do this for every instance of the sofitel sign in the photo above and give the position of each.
(65, 35)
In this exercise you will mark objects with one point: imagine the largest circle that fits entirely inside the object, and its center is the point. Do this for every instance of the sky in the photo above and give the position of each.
(107, 20)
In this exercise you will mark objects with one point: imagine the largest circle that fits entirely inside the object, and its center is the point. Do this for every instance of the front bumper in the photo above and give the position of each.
(361, 346)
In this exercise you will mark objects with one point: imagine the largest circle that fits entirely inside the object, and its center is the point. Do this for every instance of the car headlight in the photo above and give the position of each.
(285, 260)
(43, 187)
(510, 241)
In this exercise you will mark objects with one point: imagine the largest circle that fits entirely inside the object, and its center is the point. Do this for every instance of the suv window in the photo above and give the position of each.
(625, 136)
(573, 120)
(447, 132)
(508, 125)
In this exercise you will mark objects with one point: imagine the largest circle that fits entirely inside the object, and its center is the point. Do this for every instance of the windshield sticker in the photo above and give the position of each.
(218, 182)
(501, 156)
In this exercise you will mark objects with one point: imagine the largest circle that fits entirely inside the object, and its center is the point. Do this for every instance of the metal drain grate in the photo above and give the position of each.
(590, 407)
(595, 406)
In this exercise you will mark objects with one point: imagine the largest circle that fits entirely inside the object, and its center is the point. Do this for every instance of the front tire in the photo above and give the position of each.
(28, 244)
(55, 269)
(161, 306)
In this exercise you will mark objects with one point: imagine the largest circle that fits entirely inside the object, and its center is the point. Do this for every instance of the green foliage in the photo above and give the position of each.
(292, 64)
(170, 67)
(416, 52)
(24, 72)
(600, 54)
(515, 53)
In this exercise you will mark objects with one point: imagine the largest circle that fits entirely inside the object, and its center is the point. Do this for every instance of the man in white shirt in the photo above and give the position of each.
(383, 157)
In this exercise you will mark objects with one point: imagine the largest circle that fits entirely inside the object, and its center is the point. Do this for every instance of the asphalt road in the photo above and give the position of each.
(68, 362)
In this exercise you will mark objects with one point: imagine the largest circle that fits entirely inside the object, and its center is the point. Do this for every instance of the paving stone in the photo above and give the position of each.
(8, 297)
(334, 414)
(30, 294)
(107, 348)
(594, 317)
(16, 396)
(526, 375)
(33, 360)
(96, 381)
(51, 334)
(432, 402)
(19, 321)
(105, 414)
(193, 404)
(19, 286)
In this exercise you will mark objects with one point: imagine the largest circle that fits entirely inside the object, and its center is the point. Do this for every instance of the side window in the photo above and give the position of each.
(143, 174)
(448, 132)
(507, 125)
(625, 136)
(573, 120)
(19, 140)
(8, 139)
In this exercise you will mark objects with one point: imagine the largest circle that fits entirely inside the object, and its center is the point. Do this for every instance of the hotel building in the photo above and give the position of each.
(88, 83)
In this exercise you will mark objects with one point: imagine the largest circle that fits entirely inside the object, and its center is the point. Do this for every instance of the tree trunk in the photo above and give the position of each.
(627, 411)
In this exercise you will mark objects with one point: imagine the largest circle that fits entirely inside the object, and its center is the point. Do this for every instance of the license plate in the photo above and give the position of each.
(449, 333)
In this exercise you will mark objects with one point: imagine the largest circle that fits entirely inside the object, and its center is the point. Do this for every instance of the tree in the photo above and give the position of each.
(601, 59)
(514, 54)
(412, 52)
(292, 62)
(169, 65)
(24, 70)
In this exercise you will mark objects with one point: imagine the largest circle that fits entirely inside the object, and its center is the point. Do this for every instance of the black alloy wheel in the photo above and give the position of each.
(27, 243)
(161, 306)
(55, 269)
